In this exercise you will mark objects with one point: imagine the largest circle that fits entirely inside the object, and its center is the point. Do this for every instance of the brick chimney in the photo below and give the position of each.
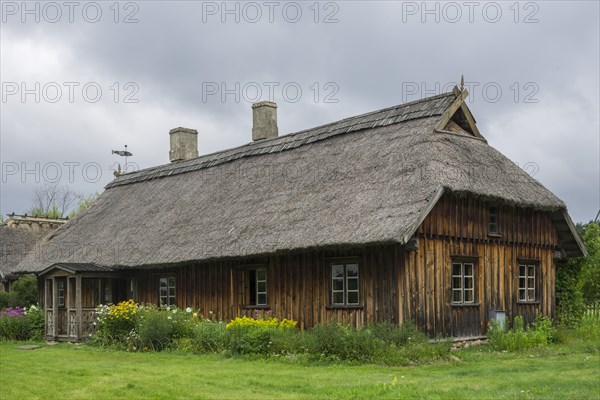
(264, 120)
(184, 144)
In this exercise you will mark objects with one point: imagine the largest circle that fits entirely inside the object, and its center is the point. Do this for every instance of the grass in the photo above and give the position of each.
(565, 371)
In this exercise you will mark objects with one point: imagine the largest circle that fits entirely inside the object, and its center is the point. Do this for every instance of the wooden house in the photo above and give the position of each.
(402, 214)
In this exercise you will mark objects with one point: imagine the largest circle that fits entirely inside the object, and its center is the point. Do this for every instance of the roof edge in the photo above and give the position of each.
(424, 213)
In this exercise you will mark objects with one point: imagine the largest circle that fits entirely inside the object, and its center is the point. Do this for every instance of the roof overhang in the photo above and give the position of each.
(74, 268)
(570, 241)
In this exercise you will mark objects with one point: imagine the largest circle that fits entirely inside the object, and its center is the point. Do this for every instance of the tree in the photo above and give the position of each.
(578, 279)
(590, 268)
(52, 201)
(84, 202)
(25, 291)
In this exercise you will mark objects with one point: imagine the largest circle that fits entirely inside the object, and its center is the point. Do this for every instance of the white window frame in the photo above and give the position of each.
(258, 292)
(463, 278)
(345, 280)
(528, 292)
(166, 298)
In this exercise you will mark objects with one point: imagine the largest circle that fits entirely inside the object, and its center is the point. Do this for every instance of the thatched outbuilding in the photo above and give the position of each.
(402, 214)
(18, 237)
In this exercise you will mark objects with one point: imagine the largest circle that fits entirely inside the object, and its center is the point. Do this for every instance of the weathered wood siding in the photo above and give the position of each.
(395, 285)
(458, 226)
(298, 286)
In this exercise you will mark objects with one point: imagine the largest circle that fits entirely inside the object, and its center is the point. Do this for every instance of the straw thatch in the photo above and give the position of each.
(364, 180)
(18, 237)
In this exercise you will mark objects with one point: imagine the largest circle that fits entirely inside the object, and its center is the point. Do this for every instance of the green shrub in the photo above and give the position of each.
(382, 343)
(254, 335)
(6, 300)
(14, 325)
(25, 291)
(210, 337)
(37, 325)
(18, 323)
(155, 329)
(540, 333)
(399, 335)
(589, 328)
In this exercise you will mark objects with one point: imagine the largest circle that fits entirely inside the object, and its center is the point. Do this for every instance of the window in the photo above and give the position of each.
(493, 221)
(527, 282)
(167, 291)
(61, 293)
(257, 279)
(344, 284)
(463, 283)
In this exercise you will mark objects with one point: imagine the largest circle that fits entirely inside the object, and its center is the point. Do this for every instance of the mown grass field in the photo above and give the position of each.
(68, 371)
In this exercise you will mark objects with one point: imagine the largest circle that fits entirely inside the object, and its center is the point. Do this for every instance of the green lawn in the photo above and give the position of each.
(69, 371)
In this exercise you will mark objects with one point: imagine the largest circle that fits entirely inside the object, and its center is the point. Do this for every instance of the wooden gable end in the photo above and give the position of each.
(458, 119)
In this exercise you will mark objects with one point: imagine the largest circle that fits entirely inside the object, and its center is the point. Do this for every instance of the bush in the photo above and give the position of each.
(254, 336)
(155, 330)
(6, 299)
(18, 323)
(589, 328)
(381, 343)
(25, 291)
(210, 337)
(114, 322)
(540, 333)
(37, 324)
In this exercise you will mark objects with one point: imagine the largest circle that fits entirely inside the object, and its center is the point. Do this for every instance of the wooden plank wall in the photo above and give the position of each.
(395, 285)
(298, 286)
(457, 226)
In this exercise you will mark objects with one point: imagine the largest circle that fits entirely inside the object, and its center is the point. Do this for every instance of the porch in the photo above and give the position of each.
(71, 293)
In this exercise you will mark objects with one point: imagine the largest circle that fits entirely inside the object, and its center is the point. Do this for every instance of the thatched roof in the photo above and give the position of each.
(18, 237)
(363, 180)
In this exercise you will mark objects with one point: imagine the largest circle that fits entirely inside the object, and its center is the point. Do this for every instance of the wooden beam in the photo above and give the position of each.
(78, 308)
(54, 308)
(460, 99)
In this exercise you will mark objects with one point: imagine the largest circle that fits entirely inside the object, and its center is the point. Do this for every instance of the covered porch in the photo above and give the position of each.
(71, 292)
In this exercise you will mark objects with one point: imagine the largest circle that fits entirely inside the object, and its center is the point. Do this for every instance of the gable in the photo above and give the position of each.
(458, 118)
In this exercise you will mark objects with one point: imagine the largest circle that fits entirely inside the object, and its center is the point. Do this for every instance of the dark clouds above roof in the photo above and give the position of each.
(376, 55)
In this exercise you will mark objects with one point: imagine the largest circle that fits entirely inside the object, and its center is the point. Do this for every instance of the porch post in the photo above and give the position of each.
(78, 308)
(68, 305)
(54, 308)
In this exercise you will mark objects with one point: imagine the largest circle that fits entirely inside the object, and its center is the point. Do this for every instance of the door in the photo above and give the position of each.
(61, 307)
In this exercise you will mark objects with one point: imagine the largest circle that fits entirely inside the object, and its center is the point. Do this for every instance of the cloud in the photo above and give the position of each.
(364, 61)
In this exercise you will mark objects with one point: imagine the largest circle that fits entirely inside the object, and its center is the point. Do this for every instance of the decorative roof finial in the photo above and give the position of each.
(462, 83)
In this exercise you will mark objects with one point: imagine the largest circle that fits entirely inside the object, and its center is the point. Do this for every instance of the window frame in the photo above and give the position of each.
(60, 293)
(345, 280)
(531, 283)
(493, 213)
(463, 278)
(253, 287)
(171, 300)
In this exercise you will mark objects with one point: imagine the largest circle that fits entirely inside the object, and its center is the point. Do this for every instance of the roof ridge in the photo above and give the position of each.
(292, 140)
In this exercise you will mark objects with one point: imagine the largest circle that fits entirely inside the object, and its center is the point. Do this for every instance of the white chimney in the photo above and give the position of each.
(184, 144)
(264, 120)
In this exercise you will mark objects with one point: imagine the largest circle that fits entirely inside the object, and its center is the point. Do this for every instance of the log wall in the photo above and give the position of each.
(395, 285)
(297, 286)
(457, 227)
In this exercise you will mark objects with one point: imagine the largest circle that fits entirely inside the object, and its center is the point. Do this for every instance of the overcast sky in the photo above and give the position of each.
(81, 79)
